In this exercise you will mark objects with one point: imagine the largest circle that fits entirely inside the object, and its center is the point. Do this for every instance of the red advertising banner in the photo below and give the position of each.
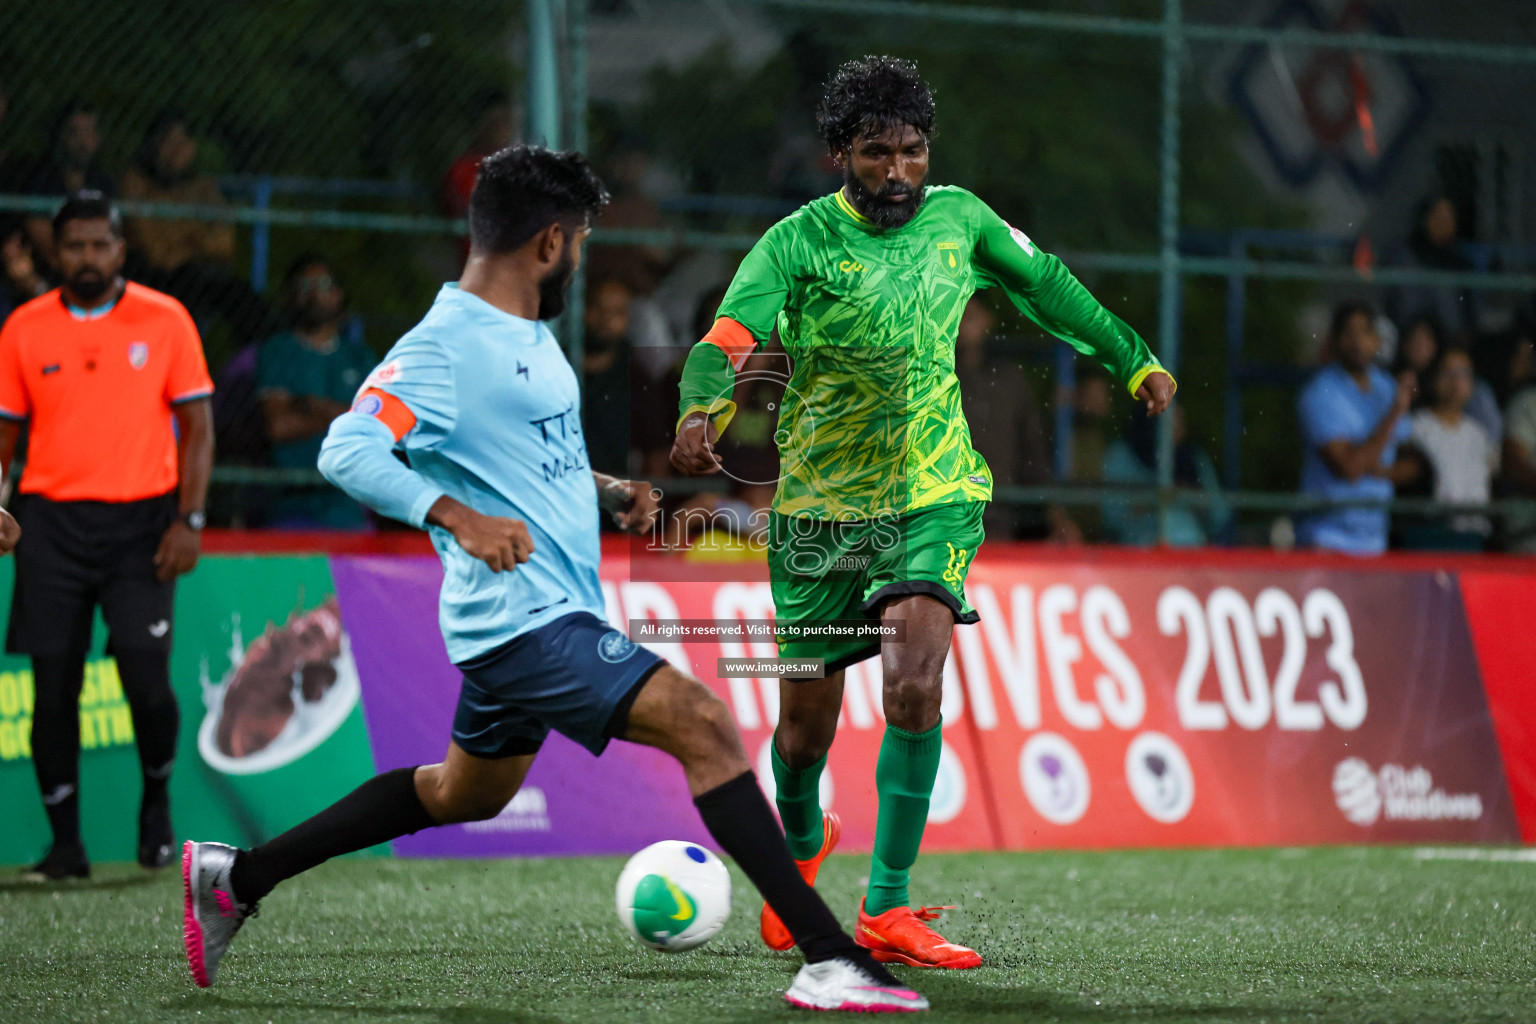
(1170, 703)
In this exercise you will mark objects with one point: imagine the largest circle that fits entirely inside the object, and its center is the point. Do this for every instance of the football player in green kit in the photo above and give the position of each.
(879, 503)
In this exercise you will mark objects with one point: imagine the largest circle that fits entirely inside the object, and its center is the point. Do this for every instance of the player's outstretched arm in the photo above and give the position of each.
(1043, 288)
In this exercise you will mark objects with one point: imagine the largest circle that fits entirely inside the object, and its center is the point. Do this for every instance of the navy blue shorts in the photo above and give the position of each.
(577, 675)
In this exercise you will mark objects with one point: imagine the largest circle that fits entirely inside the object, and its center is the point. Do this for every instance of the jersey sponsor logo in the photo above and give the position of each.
(614, 647)
(389, 373)
(952, 250)
(1022, 239)
(138, 354)
(851, 267)
(51, 369)
(976, 478)
(369, 405)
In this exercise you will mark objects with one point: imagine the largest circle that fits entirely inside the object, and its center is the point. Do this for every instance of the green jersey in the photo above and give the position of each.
(871, 421)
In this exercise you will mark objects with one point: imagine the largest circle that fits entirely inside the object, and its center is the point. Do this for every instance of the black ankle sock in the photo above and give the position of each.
(64, 816)
(738, 816)
(383, 808)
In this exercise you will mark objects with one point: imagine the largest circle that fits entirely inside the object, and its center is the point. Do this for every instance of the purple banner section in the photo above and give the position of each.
(572, 803)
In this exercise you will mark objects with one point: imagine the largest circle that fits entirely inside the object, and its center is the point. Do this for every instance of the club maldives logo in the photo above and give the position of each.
(948, 798)
(1160, 777)
(1054, 777)
(1397, 793)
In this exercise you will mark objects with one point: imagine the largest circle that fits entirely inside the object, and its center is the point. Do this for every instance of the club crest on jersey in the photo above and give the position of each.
(138, 354)
(952, 251)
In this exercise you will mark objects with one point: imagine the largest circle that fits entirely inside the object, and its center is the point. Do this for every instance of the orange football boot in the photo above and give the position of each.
(773, 931)
(899, 936)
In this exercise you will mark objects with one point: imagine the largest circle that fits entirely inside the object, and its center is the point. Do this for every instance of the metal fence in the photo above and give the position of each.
(1218, 173)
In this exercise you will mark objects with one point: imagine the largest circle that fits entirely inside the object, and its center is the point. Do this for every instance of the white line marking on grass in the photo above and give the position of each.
(1526, 856)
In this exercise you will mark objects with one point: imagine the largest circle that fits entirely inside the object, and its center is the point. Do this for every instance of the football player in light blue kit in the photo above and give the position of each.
(481, 401)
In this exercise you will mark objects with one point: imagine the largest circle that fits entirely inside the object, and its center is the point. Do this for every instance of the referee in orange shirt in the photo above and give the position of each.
(111, 380)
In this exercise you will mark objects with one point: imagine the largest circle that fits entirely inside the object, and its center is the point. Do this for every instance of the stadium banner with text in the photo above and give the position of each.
(1182, 703)
(271, 722)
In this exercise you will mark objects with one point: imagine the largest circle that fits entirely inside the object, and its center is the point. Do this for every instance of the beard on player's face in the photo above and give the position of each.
(89, 284)
(552, 289)
(881, 206)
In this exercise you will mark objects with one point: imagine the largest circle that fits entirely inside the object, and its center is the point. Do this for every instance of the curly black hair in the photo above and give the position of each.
(871, 96)
(521, 190)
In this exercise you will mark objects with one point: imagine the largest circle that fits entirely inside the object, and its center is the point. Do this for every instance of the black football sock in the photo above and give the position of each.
(737, 815)
(56, 682)
(146, 677)
(383, 808)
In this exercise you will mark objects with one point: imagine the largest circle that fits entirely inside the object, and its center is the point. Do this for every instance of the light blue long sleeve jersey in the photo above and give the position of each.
(485, 407)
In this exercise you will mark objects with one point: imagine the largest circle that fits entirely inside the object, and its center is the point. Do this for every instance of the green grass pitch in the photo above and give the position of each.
(1336, 935)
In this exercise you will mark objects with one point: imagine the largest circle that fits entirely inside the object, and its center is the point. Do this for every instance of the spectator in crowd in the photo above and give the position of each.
(494, 126)
(1422, 344)
(23, 278)
(606, 392)
(1351, 416)
(1132, 461)
(1435, 244)
(191, 259)
(305, 378)
(1459, 456)
(69, 166)
(1005, 421)
(1519, 448)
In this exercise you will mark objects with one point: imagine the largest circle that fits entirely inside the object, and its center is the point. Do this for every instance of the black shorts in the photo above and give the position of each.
(576, 675)
(75, 555)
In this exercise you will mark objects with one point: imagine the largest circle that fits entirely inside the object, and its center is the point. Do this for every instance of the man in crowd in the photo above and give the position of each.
(1352, 420)
(68, 167)
(305, 378)
(111, 504)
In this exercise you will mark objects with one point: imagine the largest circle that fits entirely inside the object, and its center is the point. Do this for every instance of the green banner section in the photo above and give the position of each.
(271, 715)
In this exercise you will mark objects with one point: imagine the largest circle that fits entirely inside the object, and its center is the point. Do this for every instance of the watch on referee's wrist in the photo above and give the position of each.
(196, 519)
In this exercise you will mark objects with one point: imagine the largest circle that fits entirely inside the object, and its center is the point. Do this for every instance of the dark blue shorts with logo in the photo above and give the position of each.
(577, 675)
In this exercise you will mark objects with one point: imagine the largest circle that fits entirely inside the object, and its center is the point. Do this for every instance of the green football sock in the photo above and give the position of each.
(904, 774)
(799, 806)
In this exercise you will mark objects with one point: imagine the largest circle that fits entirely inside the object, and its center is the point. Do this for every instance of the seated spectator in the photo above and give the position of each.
(23, 279)
(1005, 421)
(1520, 469)
(1460, 456)
(1435, 244)
(1132, 460)
(607, 380)
(494, 127)
(305, 378)
(1351, 418)
(69, 166)
(190, 259)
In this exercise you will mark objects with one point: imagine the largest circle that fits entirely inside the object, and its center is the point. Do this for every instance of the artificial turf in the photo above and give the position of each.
(1377, 935)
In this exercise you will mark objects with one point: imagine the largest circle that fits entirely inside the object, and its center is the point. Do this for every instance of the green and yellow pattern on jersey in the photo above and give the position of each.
(871, 422)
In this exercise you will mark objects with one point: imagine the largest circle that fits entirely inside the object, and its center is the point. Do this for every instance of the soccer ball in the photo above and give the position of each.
(674, 896)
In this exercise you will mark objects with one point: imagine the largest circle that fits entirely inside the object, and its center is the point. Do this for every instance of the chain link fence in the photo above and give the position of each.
(1317, 148)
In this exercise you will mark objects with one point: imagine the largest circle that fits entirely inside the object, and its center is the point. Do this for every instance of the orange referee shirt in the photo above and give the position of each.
(99, 392)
